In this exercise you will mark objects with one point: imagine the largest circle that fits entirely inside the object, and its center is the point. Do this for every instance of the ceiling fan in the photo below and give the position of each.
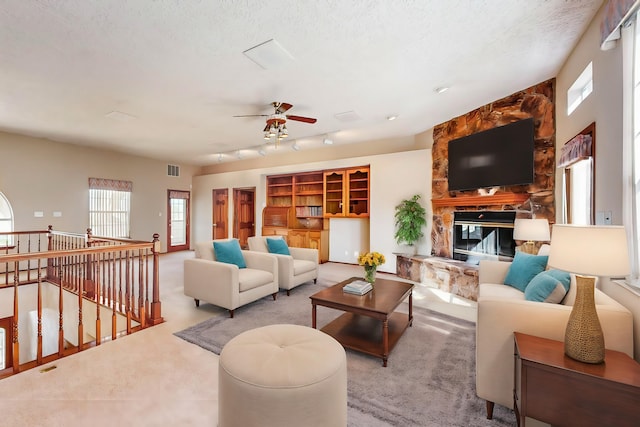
(276, 127)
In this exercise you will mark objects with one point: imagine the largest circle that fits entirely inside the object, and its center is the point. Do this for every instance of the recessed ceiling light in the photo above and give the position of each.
(295, 146)
(441, 89)
(262, 152)
(327, 141)
(391, 118)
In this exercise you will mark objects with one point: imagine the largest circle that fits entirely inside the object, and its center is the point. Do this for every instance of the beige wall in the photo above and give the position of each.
(604, 107)
(42, 175)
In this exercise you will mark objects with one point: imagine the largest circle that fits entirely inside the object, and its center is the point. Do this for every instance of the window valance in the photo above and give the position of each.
(580, 147)
(177, 194)
(110, 184)
(615, 13)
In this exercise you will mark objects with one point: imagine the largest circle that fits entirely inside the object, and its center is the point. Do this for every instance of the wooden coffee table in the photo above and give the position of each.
(370, 324)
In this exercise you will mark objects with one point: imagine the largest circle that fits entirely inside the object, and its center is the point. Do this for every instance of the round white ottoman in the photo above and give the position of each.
(282, 375)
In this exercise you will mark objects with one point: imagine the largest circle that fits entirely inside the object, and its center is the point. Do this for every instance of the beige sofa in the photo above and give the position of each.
(226, 285)
(293, 270)
(503, 309)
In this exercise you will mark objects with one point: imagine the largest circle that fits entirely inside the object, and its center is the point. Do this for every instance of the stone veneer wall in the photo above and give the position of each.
(538, 102)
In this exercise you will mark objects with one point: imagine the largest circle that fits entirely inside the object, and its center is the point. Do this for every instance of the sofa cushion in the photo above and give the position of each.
(250, 278)
(301, 266)
(549, 286)
(499, 291)
(229, 252)
(277, 246)
(524, 268)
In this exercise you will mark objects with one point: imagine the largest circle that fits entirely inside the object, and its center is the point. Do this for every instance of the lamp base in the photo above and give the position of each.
(529, 248)
(584, 339)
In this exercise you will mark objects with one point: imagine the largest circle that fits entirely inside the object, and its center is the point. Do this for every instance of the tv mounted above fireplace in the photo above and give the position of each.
(497, 157)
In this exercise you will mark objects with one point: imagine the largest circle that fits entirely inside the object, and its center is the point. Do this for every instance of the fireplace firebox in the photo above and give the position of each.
(483, 235)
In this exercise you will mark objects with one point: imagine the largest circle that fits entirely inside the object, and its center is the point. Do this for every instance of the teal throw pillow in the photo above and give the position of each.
(229, 252)
(277, 246)
(549, 286)
(524, 268)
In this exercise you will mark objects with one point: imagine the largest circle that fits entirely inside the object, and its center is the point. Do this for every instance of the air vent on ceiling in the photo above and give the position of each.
(173, 170)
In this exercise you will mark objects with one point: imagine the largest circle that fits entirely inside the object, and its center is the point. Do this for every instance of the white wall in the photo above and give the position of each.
(393, 177)
(348, 238)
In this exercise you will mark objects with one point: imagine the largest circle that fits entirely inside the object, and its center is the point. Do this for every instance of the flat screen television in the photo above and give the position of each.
(497, 157)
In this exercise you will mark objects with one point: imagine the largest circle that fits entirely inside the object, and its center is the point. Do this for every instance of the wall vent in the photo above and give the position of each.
(173, 170)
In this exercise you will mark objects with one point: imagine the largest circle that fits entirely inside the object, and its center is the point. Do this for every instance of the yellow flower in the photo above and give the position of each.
(371, 259)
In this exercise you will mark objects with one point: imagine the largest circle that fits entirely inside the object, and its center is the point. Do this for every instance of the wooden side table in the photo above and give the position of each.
(558, 390)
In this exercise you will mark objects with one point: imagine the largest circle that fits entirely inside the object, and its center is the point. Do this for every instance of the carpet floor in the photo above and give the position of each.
(429, 381)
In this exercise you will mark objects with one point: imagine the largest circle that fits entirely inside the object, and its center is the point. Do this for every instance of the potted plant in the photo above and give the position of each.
(409, 220)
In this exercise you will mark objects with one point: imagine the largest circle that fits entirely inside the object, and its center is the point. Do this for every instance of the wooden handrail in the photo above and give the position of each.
(116, 276)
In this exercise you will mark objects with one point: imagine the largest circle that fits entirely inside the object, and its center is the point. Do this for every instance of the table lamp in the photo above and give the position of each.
(592, 251)
(531, 231)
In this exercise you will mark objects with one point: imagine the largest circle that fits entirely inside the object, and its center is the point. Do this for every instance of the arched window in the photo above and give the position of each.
(6, 221)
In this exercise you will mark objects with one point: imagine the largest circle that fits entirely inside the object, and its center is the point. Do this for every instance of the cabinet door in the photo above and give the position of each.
(298, 239)
(334, 194)
(315, 240)
(358, 192)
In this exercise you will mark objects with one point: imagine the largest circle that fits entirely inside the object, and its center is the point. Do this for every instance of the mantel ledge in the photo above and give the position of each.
(488, 200)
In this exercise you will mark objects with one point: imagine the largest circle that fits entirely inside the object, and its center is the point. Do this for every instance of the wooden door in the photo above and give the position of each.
(178, 220)
(220, 210)
(244, 214)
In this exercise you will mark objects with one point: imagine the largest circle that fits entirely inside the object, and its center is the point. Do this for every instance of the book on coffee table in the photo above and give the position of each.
(357, 287)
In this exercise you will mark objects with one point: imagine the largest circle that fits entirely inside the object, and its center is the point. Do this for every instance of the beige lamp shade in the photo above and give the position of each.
(591, 250)
(536, 230)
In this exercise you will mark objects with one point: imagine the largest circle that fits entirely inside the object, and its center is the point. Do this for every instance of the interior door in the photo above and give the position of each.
(178, 220)
(220, 211)
(244, 214)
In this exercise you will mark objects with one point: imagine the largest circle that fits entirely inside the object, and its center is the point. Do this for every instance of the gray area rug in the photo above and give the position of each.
(429, 381)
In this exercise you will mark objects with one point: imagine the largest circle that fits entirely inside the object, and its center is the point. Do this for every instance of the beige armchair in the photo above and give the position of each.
(293, 270)
(226, 285)
(503, 310)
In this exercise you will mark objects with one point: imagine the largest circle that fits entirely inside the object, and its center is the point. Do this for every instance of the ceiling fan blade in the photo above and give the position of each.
(281, 107)
(253, 115)
(302, 119)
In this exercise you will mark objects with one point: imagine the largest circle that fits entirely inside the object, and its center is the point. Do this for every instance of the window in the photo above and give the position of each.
(6, 221)
(631, 143)
(109, 207)
(580, 89)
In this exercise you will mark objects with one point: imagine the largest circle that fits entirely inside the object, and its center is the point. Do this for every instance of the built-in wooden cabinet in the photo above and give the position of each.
(315, 239)
(334, 184)
(307, 194)
(280, 190)
(275, 221)
(346, 193)
(299, 205)
(358, 192)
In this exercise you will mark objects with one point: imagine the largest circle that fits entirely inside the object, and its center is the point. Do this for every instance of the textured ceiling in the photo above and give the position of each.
(176, 69)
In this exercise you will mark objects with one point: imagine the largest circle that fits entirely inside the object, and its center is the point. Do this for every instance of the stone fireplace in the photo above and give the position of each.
(523, 201)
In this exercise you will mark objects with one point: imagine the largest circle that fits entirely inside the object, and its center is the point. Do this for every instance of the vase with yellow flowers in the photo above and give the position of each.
(370, 261)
